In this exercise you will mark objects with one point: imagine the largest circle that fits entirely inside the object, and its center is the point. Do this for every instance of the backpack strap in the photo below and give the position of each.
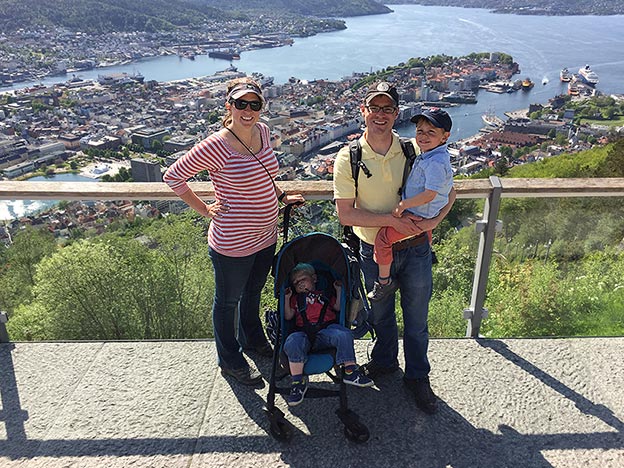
(355, 158)
(410, 157)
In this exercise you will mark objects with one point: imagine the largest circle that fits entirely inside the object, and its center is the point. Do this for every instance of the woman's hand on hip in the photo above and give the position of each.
(216, 209)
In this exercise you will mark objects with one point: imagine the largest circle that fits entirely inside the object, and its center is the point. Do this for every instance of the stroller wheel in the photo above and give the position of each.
(356, 432)
(281, 430)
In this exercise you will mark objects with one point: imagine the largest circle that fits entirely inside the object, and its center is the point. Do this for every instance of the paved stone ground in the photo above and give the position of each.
(504, 403)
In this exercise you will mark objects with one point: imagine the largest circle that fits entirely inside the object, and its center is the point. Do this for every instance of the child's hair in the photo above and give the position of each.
(302, 268)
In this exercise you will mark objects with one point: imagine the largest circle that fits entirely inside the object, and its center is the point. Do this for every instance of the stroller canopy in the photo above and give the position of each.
(310, 248)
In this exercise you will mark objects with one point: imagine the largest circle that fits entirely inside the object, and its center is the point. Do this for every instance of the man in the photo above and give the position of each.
(367, 212)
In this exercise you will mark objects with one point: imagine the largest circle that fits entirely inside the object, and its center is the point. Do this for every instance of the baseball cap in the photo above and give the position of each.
(382, 88)
(437, 117)
(240, 89)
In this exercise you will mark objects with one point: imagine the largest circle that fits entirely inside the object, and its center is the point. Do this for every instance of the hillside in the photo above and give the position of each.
(163, 15)
(531, 7)
(321, 8)
(104, 15)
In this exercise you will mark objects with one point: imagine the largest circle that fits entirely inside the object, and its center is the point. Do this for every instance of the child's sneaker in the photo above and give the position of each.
(357, 379)
(382, 290)
(297, 392)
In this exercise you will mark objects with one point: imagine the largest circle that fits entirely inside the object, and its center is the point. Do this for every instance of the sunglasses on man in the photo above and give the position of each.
(241, 104)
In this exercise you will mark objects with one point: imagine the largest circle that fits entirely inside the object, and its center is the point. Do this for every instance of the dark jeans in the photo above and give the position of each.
(238, 287)
(412, 268)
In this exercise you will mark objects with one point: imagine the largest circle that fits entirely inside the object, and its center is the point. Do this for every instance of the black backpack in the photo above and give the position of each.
(355, 158)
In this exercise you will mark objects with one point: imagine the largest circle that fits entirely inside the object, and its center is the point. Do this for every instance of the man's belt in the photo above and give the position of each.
(410, 242)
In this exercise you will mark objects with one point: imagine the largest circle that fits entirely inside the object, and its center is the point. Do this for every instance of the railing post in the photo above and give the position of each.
(4, 334)
(487, 228)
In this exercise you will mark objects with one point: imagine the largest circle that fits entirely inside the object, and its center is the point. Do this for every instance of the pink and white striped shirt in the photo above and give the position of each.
(250, 225)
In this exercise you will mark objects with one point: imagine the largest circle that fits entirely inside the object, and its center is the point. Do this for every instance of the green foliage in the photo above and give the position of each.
(452, 281)
(99, 16)
(542, 299)
(114, 288)
(321, 8)
(583, 164)
(29, 322)
(17, 277)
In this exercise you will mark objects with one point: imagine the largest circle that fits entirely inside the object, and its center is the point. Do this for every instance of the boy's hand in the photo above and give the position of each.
(398, 210)
(288, 293)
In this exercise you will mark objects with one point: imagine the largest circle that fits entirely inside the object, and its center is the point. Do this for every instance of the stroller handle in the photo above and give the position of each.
(287, 209)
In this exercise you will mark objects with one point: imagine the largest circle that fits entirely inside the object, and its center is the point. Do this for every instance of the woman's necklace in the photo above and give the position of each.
(249, 147)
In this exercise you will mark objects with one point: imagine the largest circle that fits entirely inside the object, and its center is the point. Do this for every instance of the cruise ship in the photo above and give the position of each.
(565, 75)
(588, 75)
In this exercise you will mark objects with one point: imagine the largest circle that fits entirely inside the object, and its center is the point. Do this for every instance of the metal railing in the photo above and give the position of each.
(492, 190)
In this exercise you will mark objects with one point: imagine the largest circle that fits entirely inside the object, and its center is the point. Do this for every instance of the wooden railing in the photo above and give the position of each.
(492, 190)
(313, 190)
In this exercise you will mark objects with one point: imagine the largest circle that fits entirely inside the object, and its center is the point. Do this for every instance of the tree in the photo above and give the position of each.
(613, 165)
(506, 152)
(17, 277)
(117, 288)
(501, 166)
(28, 248)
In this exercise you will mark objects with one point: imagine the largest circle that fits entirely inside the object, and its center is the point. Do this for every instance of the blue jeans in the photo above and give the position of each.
(297, 344)
(238, 287)
(412, 268)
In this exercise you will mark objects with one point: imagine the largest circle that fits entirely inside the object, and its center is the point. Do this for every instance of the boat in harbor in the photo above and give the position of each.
(573, 88)
(527, 84)
(565, 75)
(460, 97)
(588, 75)
(120, 78)
(491, 120)
(224, 54)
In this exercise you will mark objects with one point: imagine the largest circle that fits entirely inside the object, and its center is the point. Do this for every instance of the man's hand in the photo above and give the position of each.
(407, 225)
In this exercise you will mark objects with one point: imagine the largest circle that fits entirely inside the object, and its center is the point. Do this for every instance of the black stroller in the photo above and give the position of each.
(331, 261)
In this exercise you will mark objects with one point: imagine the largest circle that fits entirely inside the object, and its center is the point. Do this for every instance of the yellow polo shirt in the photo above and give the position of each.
(378, 193)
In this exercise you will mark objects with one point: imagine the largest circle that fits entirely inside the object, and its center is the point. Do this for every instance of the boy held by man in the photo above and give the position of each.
(425, 193)
(316, 327)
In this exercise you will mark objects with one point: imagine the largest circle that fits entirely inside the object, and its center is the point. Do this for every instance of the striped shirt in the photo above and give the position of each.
(250, 224)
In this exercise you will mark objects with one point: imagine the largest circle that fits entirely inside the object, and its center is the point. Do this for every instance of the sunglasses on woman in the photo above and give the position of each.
(241, 104)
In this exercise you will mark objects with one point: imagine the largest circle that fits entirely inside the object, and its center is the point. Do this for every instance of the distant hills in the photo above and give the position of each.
(164, 15)
(321, 8)
(531, 7)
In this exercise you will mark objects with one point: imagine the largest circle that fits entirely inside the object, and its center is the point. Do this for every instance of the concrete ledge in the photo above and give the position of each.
(529, 403)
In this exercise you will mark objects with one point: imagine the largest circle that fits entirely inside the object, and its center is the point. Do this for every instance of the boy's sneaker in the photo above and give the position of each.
(357, 379)
(297, 392)
(381, 291)
(424, 396)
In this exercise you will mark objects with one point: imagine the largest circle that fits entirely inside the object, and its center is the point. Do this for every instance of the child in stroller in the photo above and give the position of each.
(316, 327)
(331, 261)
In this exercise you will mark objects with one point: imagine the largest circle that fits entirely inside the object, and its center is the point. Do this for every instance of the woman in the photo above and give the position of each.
(243, 230)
